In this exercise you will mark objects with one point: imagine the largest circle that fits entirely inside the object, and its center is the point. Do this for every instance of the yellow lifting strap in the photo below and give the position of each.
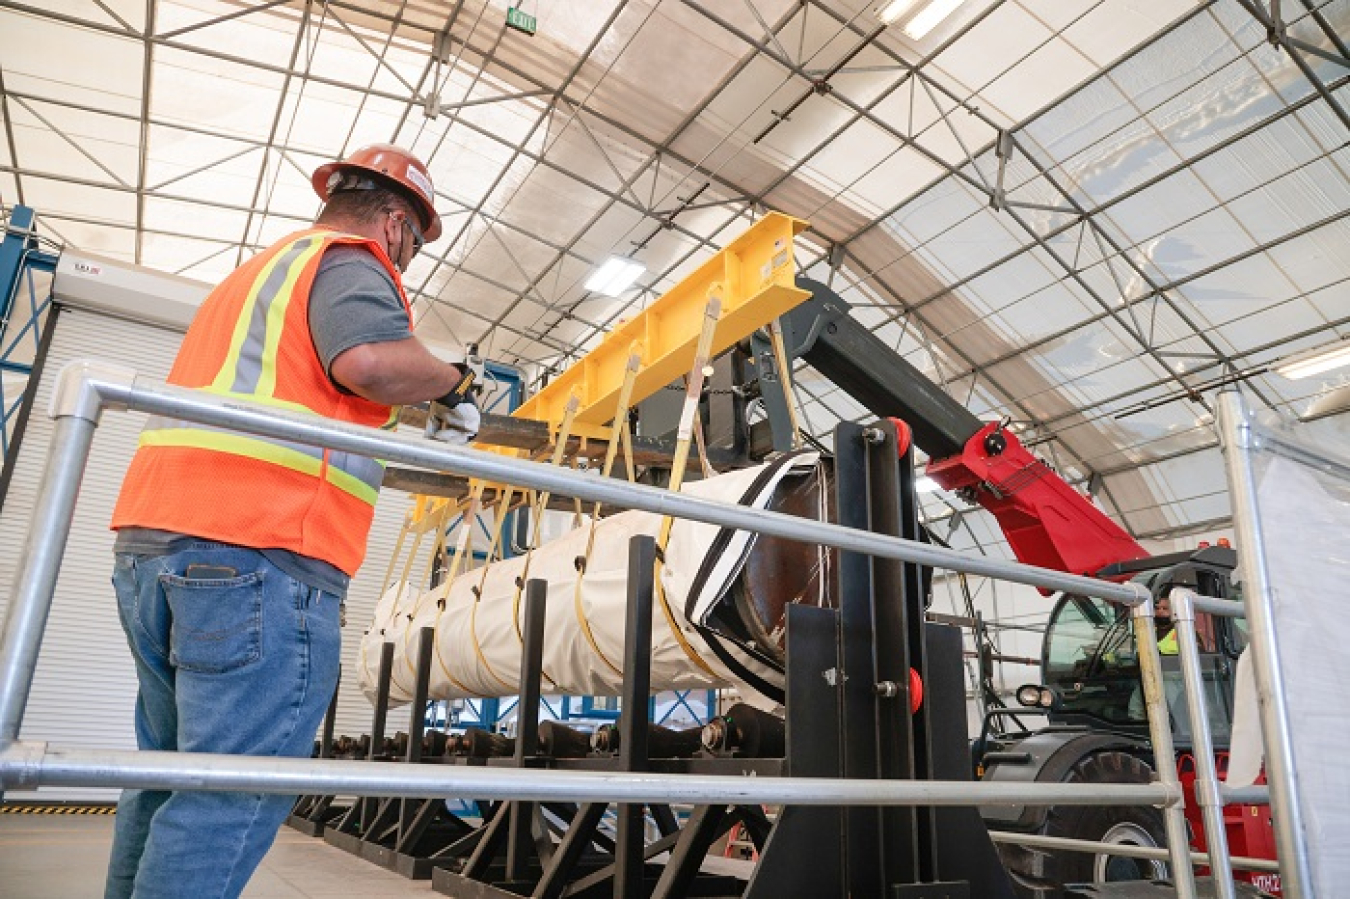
(780, 360)
(540, 505)
(398, 548)
(416, 521)
(611, 452)
(439, 526)
(463, 547)
(431, 521)
(503, 508)
(438, 521)
(628, 450)
(684, 434)
(702, 448)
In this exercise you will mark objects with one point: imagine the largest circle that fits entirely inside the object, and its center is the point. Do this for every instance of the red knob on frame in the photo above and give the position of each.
(903, 436)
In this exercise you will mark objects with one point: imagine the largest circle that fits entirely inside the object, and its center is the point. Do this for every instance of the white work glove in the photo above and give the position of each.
(458, 425)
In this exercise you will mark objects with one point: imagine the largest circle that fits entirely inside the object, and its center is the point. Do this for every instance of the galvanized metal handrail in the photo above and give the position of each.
(86, 389)
(31, 764)
(1125, 850)
(93, 385)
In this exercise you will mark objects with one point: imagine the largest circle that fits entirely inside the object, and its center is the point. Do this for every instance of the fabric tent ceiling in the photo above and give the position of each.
(1082, 216)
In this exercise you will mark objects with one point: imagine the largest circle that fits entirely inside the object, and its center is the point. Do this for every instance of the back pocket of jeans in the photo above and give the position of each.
(217, 623)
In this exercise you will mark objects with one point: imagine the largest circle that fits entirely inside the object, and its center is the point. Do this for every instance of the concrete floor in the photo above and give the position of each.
(65, 857)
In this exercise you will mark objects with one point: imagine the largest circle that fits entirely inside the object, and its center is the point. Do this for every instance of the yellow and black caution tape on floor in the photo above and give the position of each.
(26, 809)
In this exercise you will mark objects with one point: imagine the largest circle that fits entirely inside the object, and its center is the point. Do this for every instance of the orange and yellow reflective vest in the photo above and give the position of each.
(250, 340)
(1167, 644)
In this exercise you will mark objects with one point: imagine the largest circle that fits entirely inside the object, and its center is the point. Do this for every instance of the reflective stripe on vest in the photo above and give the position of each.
(357, 475)
(249, 372)
(250, 367)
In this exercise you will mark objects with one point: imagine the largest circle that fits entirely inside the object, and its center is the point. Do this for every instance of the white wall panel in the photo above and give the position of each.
(84, 691)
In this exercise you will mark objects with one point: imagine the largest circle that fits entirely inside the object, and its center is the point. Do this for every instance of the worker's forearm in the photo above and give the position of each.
(394, 372)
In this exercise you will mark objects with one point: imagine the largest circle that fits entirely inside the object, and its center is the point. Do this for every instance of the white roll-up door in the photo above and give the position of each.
(84, 691)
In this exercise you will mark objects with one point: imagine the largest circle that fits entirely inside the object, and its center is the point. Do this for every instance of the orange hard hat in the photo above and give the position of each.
(392, 164)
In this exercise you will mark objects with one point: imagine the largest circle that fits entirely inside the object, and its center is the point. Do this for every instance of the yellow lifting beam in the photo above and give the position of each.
(753, 277)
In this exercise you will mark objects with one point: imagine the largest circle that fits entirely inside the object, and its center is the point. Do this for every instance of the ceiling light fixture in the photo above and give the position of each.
(615, 276)
(889, 12)
(1335, 401)
(1315, 362)
(930, 17)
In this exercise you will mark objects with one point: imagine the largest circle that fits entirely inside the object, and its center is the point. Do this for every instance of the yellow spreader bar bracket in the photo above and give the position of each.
(754, 278)
(756, 274)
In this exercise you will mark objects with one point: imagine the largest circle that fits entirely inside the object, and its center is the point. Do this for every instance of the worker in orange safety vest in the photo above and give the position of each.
(234, 551)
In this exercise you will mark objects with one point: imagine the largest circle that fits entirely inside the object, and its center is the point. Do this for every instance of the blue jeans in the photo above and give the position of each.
(239, 661)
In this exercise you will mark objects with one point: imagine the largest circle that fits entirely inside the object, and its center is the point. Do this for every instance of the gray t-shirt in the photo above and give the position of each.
(353, 301)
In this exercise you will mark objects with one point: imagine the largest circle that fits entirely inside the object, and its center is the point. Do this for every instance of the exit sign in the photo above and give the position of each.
(521, 21)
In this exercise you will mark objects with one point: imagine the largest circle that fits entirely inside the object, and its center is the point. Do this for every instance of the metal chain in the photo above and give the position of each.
(708, 391)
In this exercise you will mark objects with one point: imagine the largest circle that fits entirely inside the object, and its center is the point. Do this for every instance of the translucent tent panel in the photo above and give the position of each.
(657, 121)
(109, 77)
(79, 201)
(934, 211)
(1332, 302)
(207, 260)
(238, 99)
(75, 143)
(966, 247)
(516, 261)
(124, 14)
(118, 243)
(998, 43)
(498, 113)
(1237, 291)
(673, 40)
(279, 36)
(538, 196)
(1292, 201)
(584, 147)
(1051, 68)
(851, 156)
(1058, 306)
(1315, 259)
(893, 180)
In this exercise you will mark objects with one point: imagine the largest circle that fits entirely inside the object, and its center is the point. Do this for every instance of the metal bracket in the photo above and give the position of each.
(86, 387)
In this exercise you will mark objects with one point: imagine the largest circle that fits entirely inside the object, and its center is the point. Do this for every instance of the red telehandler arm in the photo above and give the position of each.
(1047, 522)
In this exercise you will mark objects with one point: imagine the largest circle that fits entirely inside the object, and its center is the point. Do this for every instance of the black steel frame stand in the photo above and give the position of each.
(408, 836)
(515, 830)
(407, 832)
(847, 715)
(515, 853)
(857, 723)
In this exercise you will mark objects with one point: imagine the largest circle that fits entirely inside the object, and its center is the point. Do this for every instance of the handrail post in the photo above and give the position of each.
(1207, 776)
(76, 404)
(1238, 443)
(1164, 754)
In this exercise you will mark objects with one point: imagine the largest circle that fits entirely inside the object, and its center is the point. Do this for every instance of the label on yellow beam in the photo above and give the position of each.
(753, 276)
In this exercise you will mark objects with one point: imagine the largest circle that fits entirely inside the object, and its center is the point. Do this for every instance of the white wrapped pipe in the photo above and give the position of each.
(477, 616)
